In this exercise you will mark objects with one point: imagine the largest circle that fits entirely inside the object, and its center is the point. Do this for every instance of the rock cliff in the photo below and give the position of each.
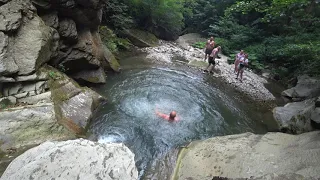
(40, 42)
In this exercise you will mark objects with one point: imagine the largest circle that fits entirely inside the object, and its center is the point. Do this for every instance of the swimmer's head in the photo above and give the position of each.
(173, 114)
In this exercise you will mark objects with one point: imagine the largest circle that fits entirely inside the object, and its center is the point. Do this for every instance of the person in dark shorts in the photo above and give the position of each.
(243, 63)
(211, 59)
(209, 47)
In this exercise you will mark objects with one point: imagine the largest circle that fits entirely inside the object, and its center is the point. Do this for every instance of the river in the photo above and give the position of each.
(206, 107)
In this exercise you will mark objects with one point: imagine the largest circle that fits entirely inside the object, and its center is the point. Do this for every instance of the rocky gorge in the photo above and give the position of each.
(47, 47)
(41, 42)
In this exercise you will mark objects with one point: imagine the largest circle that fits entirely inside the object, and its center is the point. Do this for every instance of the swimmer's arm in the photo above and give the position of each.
(164, 116)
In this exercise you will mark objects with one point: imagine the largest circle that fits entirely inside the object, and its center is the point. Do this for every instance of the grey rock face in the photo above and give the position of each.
(318, 102)
(40, 76)
(32, 46)
(295, 117)
(51, 19)
(11, 14)
(77, 159)
(9, 100)
(77, 111)
(84, 54)
(25, 87)
(270, 156)
(92, 76)
(68, 30)
(315, 116)
(7, 66)
(83, 103)
(6, 79)
(30, 125)
(40, 98)
(306, 87)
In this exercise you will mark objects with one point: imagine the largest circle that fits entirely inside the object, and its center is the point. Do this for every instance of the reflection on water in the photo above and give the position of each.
(129, 117)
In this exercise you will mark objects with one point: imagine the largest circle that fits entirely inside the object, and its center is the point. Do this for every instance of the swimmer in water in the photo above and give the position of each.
(171, 117)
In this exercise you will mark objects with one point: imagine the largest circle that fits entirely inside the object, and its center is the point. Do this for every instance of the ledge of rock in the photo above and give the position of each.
(29, 125)
(140, 38)
(53, 108)
(273, 155)
(77, 159)
(297, 117)
(307, 87)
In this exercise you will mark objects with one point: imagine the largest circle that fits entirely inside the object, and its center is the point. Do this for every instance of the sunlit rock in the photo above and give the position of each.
(74, 159)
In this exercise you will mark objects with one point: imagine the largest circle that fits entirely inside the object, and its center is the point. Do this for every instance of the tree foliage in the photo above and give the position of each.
(280, 34)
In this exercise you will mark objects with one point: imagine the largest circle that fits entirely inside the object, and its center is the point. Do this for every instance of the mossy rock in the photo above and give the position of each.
(141, 38)
(112, 61)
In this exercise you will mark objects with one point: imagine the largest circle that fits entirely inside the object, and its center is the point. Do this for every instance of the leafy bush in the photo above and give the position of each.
(225, 46)
(199, 45)
(115, 14)
(113, 43)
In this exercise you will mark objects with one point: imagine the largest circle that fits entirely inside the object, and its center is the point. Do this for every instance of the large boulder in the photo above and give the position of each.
(74, 105)
(140, 38)
(307, 87)
(295, 117)
(269, 156)
(78, 159)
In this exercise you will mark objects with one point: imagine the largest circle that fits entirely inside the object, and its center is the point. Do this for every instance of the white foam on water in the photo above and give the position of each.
(111, 139)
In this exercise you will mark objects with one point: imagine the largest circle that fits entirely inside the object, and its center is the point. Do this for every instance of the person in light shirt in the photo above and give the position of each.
(243, 63)
(237, 60)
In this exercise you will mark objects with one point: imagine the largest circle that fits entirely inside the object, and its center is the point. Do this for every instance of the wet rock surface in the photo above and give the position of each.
(252, 85)
(74, 159)
(270, 156)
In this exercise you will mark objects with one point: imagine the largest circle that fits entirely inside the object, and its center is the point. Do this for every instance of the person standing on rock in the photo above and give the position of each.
(243, 63)
(209, 47)
(237, 60)
(211, 59)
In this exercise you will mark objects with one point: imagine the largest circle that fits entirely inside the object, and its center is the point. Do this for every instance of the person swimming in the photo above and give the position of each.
(171, 117)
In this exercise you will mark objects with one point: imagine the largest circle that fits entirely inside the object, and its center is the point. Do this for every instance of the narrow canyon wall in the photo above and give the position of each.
(42, 44)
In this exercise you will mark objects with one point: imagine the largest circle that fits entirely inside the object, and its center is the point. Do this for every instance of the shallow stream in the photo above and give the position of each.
(206, 107)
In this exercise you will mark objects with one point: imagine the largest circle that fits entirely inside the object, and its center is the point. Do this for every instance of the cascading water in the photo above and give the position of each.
(135, 94)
